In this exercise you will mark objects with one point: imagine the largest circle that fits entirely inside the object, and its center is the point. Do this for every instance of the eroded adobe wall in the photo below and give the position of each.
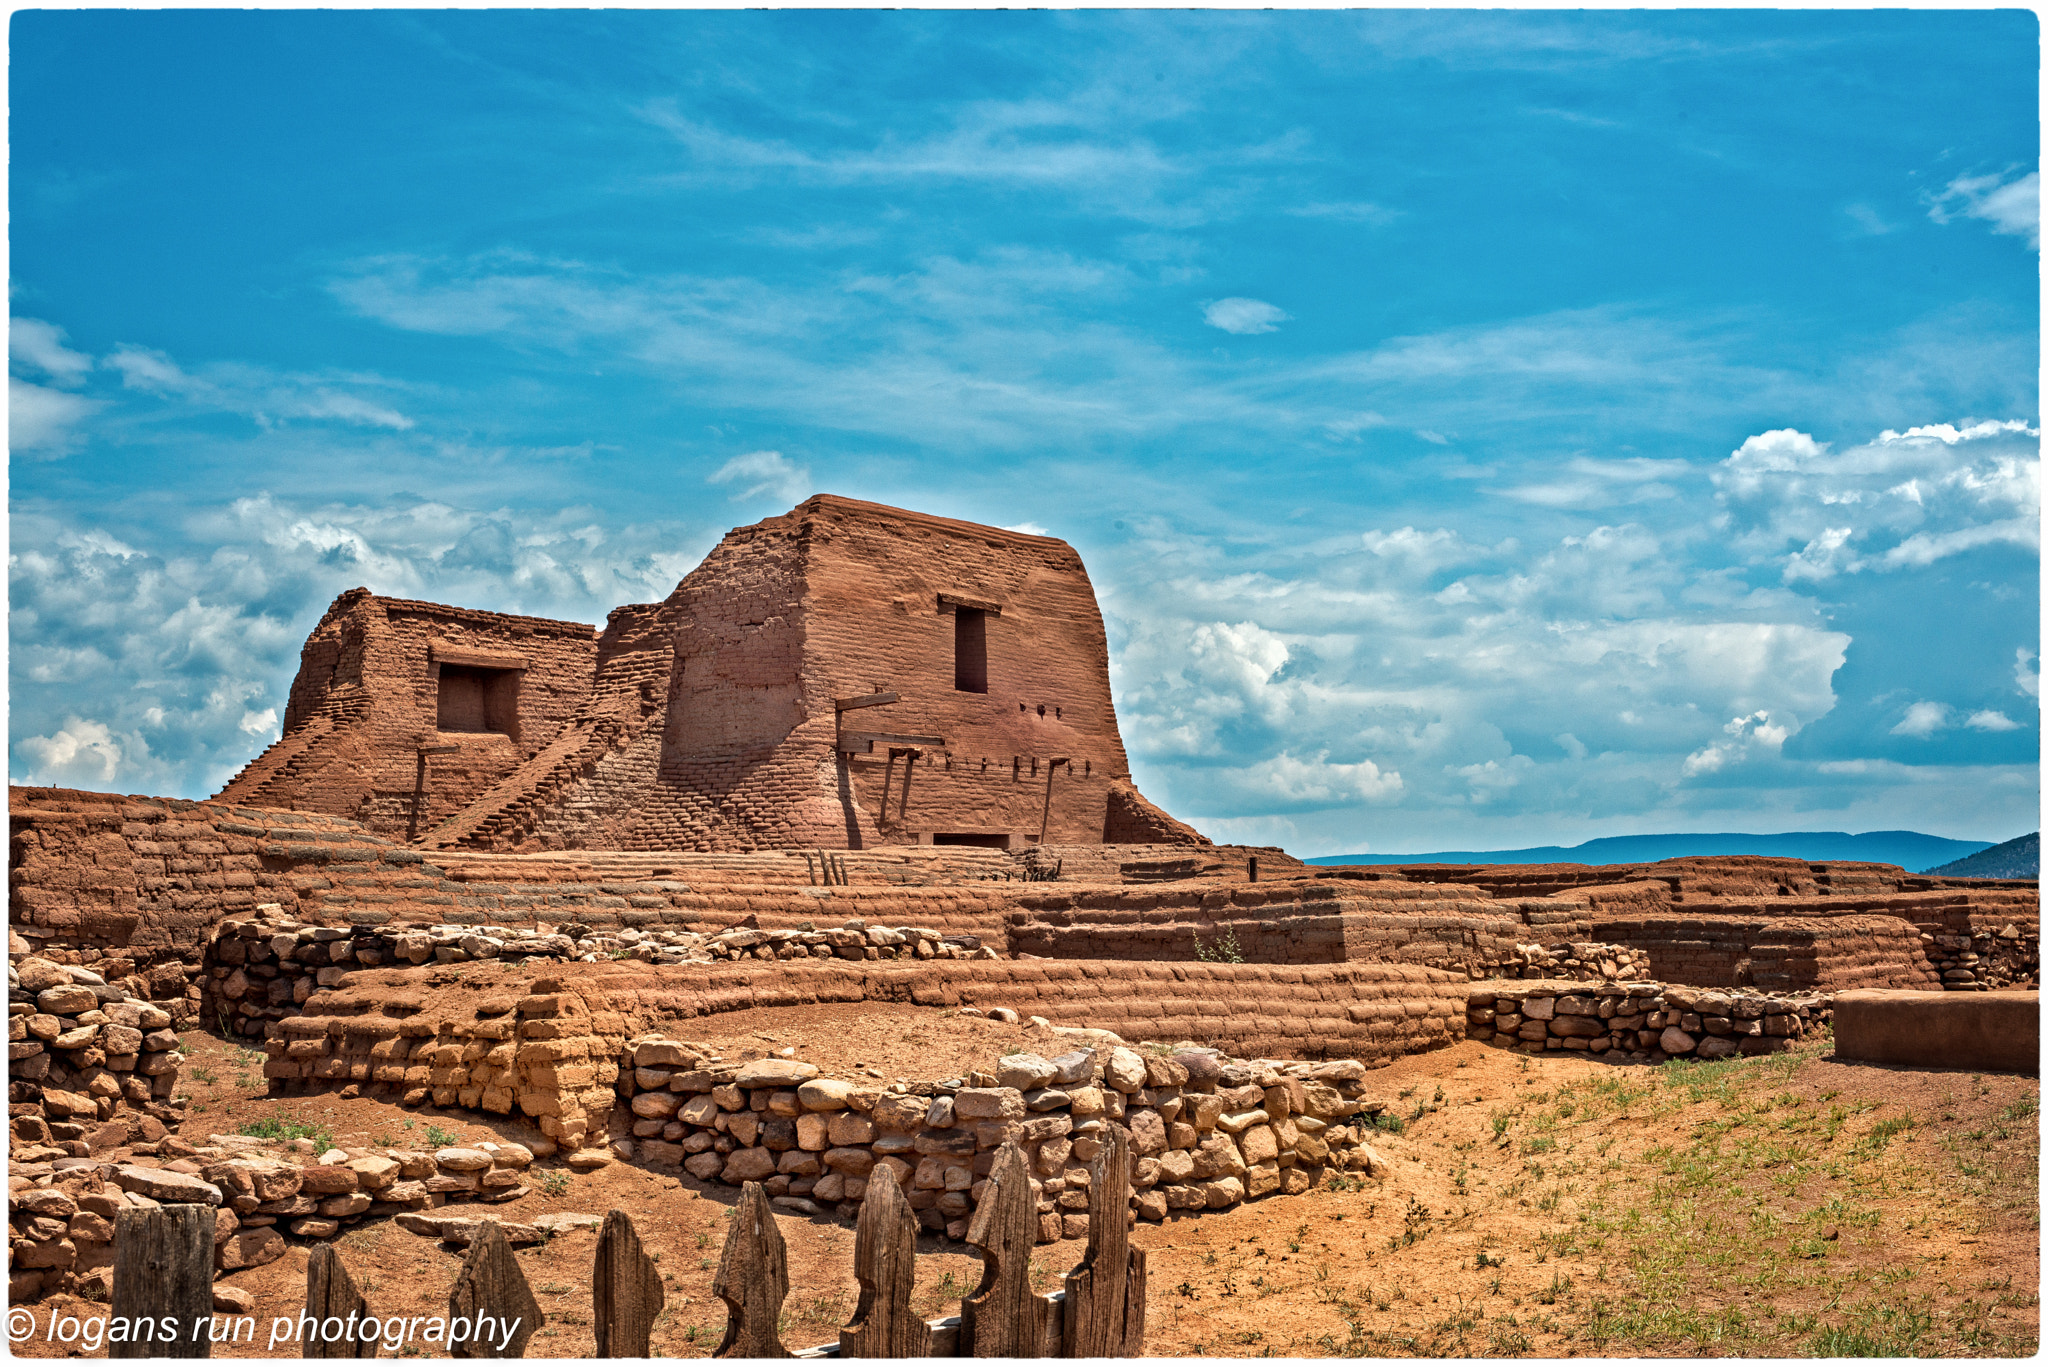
(840, 599)
(368, 694)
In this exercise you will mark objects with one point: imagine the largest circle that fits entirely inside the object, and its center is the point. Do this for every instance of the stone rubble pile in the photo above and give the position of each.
(1207, 1131)
(1984, 959)
(1579, 961)
(80, 1049)
(1643, 1022)
(61, 1213)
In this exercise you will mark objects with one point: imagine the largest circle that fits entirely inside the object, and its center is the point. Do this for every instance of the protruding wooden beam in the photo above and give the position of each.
(864, 700)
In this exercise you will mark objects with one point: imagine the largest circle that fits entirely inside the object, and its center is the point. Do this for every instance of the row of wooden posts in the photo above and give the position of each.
(163, 1269)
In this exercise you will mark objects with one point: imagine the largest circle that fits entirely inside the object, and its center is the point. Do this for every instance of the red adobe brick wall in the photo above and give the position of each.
(367, 696)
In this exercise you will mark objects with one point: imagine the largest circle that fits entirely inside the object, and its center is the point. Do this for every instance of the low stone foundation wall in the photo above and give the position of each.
(62, 1229)
(1207, 1131)
(1998, 1031)
(1644, 1022)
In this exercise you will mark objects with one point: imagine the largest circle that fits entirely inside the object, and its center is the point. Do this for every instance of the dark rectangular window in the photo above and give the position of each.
(970, 650)
(476, 699)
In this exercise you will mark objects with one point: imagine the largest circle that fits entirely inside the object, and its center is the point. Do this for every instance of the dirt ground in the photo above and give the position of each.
(1555, 1206)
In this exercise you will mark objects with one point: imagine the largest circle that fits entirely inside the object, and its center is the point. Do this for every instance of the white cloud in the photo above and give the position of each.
(196, 649)
(1243, 316)
(38, 345)
(82, 753)
(1905, 500)
(2009, 206)
(2026, 673)
(1924, 719)
(1988, 720)
(1029, 529)
(1316, 782)
(44, 422)
(1746, 736)
(265, 396)
(764, 474)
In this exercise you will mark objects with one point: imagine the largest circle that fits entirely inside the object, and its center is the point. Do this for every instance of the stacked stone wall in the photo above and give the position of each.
(1645, 1022)
(1206, 1131)
(81, 1052)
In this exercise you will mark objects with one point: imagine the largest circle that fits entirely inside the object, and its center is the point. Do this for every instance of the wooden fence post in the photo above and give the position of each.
(163, 1271)
(1004, 1317)
(752, 1280)
(625, 1291)
(1105, 1305)
(491, 1293)
(885, 1262)
(331, 1294)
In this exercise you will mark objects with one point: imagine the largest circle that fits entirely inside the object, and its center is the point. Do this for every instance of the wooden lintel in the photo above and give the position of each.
(864, 700)
(954, 600)
(863, 742)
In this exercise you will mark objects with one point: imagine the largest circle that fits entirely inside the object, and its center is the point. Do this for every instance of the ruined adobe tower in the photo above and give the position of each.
(843, 676)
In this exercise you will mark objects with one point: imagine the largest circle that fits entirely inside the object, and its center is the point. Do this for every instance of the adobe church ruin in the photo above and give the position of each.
(840, 677)
(506, 866)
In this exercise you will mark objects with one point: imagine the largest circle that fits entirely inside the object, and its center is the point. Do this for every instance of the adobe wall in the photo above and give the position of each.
(369, 695)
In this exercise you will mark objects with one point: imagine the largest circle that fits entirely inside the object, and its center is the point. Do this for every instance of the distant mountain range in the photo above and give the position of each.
(2019, 858)
(1908, 849)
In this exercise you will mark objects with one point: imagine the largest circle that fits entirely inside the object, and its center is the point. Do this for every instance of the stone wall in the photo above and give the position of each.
(1206, 1131)
(543, 1047)
(81, 1050)
(1643, 1022)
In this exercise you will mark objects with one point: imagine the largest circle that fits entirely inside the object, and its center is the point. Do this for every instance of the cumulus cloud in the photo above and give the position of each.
(2026, 673)
(2009, 206)
(82, 754)
(1906, 500)
(1924, 719)
(43, 422)
(1989, 720)
(1243, 316)
(1756, 733)
(139, 664)
(1583, 675)
(764, 474)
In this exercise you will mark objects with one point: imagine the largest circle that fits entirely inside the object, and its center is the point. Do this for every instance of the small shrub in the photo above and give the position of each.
(439, 1137)
(273, 1127)
(1223, 951)
(555, 1182)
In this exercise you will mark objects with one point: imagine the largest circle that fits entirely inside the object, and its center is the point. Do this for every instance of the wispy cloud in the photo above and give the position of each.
(2009, 206)
(1243, 316)
(764, 474)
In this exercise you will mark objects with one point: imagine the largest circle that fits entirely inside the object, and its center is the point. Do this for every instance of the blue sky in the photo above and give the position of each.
(1483, 429)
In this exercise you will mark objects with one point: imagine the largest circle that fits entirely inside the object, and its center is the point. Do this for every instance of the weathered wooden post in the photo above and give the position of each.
(1004, 1317)
(491, 1293)
(626, 1291)
(752, 1280)
(1105, 1304)
(163, 1270)
(331, 1294)
(885, 1262)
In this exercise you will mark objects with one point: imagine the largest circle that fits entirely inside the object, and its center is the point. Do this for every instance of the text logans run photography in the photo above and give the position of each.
(1309, 684)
